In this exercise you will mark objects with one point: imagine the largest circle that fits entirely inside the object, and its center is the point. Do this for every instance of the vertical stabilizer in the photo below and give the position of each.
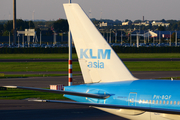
(98, 61)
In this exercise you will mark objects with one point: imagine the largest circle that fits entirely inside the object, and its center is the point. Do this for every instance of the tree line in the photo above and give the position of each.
(51, 26)
(61, 26)
(174, 24)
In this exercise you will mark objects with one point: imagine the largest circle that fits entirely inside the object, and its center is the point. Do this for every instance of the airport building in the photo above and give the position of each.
(155, 23)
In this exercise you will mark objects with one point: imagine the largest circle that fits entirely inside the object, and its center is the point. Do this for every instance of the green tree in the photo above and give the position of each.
(96, 22)
(37, 31)
(49, 24)
(173, 37)
(161, 28)
(172, 21)
(137, 21)
(6, 33)
(37, 23)
(8, 26)
(29, 24)
(178, 25)
(1, 29)
(175, 25)
(47, 33)
(127, 20)
(163, 20)
(61, 25)
(20, 25)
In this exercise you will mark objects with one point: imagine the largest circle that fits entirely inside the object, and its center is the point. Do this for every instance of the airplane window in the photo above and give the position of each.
(178, 103)
(174, 102)
(164, 102)
(167, 102)
(156, 101)
(143, 101)
(153, 102)
(171, 102)
(160, 102)
(146, 101)
(149, 101)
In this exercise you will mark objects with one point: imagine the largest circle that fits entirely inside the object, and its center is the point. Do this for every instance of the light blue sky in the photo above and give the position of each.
(111, 9)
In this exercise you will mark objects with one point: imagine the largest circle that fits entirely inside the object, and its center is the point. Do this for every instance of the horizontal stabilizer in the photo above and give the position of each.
(100, 96)
(159, 110)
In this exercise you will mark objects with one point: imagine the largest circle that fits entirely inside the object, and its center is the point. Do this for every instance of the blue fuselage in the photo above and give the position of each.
(143, 93)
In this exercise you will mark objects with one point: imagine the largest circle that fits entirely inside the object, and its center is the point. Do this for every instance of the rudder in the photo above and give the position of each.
(98, 61)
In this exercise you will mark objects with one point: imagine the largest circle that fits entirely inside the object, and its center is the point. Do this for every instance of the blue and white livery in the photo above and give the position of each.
(109, 85)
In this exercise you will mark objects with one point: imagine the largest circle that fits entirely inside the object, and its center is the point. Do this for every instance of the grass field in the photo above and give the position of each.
(63, 66)
(74, 56)
(149, 55)
(153, 65)
(20, 94)
(33, 75)
(36, 66)
(36, 56)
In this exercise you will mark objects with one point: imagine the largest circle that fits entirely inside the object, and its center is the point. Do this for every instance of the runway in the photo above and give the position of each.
(24, 110)
(44, 82)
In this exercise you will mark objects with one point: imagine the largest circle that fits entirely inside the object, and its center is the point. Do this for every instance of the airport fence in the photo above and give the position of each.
(33, 50)
(65, 50)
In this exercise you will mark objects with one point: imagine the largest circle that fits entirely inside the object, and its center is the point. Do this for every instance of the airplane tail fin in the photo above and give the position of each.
(98, 61)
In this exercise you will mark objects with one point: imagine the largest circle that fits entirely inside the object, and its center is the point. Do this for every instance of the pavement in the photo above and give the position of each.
(24, 110)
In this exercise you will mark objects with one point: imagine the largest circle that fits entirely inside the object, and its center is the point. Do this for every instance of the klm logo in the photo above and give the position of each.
(88, 54)
(100, 54)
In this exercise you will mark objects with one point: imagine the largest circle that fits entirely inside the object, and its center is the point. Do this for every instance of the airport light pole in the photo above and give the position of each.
(170, 40)
(153, 40)
(14, 21)
(9, 39)
(70, 57)
(176, 39)
(121, 38)
(144, 38)
(148, 36)
(130, 39)
(107, 36)
(116, 37)
(137, 41)
(159, 37)
(110, 37)
(18, 40)
(23, 40)
(40, 38)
